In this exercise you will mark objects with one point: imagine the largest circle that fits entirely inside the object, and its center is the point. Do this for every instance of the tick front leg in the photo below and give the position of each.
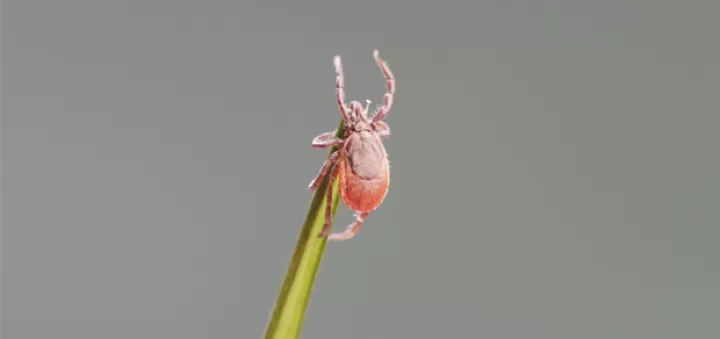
(340, 87)
(352, 228)
(328, 205)
(326, 140)
(390, 83)
(323, 170)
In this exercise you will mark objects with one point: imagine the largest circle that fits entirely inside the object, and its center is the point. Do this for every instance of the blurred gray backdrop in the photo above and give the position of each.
(555, 167)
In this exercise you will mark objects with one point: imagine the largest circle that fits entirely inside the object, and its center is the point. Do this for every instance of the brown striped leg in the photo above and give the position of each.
(340, 87)
(323, 171)
(352, 228)
(390, 82)
(382, 129)
(326, 140)
(328, 205)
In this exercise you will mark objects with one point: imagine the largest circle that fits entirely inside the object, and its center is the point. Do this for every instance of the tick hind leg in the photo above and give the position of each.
(323, 171)
(352, 229)
(329, 202)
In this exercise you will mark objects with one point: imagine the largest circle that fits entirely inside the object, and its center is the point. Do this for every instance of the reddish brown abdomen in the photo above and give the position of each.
(364, 173)
(360, 194)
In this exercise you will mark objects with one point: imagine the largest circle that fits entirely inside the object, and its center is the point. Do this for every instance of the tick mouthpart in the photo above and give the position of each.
(356, 106)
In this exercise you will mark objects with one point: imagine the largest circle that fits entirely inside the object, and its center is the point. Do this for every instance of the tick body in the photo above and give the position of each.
(361, 163)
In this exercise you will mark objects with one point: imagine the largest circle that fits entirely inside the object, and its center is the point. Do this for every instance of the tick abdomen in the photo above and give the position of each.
(363, 195)
(365, 172)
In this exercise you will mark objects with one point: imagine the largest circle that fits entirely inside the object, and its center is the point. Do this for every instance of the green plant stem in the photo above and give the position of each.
(289, 313)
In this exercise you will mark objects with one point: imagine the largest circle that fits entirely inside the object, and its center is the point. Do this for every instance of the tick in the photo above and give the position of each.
(361, 162)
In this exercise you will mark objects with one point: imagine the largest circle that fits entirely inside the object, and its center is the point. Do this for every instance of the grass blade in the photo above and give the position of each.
(289, 313)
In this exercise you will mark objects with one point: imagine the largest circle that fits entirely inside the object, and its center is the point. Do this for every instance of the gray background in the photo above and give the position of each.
(554, 167)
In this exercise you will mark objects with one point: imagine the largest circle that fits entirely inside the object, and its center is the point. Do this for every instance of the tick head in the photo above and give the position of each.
(358, 117)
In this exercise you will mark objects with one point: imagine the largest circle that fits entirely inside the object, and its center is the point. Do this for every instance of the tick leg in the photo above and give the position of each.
(328, 206)
(323, 170)
(340, 87)
(390, 81)
(352, 228)
(382, 129)
(326, 140)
